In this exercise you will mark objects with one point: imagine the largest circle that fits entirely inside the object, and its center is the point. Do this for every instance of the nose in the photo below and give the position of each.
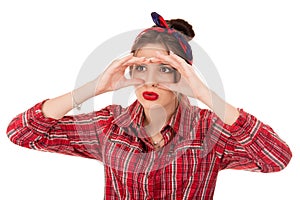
(151, 77)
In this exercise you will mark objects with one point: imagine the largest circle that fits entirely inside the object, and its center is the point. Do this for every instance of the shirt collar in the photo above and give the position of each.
(133, 115)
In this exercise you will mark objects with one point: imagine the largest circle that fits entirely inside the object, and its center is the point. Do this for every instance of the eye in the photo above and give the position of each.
(166, 69)
(140, 68)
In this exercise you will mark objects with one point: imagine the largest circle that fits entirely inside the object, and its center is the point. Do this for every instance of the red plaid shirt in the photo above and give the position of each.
(197, 146)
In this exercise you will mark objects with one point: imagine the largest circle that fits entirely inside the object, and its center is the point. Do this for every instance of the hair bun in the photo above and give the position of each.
(182, 26)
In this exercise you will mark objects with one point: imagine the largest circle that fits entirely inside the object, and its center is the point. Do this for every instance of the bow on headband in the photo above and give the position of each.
(159, 20)
(162, 26)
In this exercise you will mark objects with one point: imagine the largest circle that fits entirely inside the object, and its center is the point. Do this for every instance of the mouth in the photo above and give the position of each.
(151, 96)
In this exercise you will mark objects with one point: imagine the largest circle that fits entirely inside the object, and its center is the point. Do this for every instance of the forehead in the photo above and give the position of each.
(150, 49)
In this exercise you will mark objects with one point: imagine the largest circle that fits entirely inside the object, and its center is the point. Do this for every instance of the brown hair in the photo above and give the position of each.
(168, 41)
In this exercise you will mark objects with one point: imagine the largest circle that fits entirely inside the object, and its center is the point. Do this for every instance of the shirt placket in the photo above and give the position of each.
(154, 177)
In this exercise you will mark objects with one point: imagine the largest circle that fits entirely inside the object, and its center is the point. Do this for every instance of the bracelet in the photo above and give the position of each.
(75, 105)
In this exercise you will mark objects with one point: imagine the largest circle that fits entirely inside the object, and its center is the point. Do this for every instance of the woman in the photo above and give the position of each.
(159, 147)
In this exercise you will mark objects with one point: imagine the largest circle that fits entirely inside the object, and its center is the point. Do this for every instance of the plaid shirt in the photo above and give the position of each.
(197, 146)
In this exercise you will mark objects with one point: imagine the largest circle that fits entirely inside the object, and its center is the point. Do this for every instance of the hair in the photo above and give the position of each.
(168, 41)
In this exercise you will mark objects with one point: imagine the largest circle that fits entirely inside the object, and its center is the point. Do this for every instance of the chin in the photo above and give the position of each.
(149, 104)
(158, 106)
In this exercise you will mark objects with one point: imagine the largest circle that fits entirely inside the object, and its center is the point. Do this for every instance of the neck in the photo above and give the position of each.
(157, 116)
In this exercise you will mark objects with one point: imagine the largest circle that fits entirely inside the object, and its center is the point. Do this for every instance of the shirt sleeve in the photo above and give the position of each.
(78, 135)
(254, 146)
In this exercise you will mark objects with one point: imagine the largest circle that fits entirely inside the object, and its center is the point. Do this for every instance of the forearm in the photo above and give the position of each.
(58, 107)
(226, 112)
(31, 129)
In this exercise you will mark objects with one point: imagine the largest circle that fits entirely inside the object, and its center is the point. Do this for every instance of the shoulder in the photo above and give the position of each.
(110, 111)
(115, 113)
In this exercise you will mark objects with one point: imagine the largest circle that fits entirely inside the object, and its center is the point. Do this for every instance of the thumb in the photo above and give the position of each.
(133, 81)
(168, 86)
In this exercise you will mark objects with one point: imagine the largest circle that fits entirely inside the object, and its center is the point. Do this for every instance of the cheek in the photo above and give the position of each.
(169, 96)
(166, 97)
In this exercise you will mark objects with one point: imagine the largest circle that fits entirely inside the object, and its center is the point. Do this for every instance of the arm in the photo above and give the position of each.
(247, 143)
(111, 79)
(45, 126)
(191, 85)
(254, 146)
(78, 135)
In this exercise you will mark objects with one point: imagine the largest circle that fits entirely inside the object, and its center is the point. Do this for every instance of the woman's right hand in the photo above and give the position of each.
(113, 78)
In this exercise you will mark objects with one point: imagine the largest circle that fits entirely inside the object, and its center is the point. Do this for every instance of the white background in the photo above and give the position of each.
(254, 45)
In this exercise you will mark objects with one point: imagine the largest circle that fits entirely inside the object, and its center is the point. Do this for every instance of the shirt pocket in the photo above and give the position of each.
(125, 141)
(124, 152)
(193, 161)
(188, 159)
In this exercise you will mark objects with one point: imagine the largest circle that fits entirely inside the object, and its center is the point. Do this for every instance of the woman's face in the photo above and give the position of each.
(149, 95)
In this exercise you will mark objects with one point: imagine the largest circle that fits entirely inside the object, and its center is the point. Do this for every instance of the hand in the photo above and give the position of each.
(189, 83)
(113, 78)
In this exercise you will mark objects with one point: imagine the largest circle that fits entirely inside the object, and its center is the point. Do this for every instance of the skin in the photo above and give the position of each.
(158, 112)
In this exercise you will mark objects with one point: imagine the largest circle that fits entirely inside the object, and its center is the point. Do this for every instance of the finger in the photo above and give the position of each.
(124, 59)
(168, 86)
(188, 68)
(133, 82)
(167, 59)
(183, 64)
(134, 61)
(117, 62)
(178, 58)
(154, 60)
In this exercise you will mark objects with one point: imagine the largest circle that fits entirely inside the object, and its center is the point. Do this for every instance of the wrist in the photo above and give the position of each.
(226, 112)
(83, 93)
(98, 88)
(205, 96)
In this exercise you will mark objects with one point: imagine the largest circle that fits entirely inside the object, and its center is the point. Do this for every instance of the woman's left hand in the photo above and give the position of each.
(189, 84)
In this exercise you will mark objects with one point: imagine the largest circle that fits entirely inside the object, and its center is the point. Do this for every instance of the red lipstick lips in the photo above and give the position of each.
(151, 96)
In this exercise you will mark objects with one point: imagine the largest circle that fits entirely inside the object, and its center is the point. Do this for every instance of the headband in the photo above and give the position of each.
(163, 27)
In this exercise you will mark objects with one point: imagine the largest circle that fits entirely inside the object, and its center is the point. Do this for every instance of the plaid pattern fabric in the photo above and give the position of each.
(197, 146)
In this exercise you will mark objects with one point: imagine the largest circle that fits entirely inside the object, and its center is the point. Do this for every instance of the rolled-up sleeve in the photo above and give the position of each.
(78, 135)
(254, 146)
